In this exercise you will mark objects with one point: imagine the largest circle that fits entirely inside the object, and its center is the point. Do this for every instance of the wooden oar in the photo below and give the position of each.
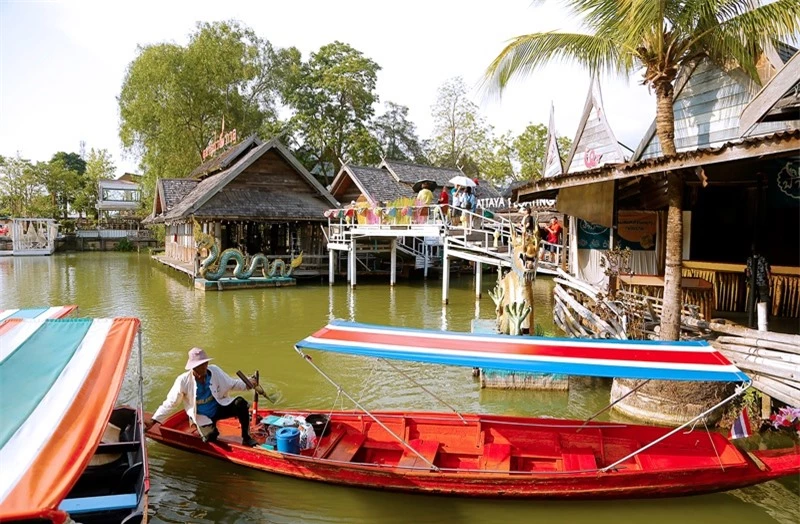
(258, 389)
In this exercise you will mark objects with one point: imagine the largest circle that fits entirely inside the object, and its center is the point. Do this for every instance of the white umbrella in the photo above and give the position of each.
(463, 181)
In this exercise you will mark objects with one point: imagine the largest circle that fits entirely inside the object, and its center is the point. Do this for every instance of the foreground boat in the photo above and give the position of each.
(492, 455)
(66, 451)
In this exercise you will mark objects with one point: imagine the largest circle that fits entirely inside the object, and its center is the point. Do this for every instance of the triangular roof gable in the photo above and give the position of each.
(212, 185)
(170, 192)
(779, 88)
(595, 143)
(706, 95)
(345, 173)
(226, 159)
(552, 160)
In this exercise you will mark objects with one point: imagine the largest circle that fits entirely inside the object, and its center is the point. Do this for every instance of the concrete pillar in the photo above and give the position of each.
(445, 275)
(331, 266)
(353, 263)
(478, 279)
(425, 260)
(393, 266)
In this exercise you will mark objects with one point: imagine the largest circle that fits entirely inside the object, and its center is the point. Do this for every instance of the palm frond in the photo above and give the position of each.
(526, 53)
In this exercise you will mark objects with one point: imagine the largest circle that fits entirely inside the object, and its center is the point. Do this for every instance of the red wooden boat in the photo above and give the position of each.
(493, 455)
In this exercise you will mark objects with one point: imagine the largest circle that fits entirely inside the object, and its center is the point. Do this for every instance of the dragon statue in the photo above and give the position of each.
(214, 265)
(513, 294)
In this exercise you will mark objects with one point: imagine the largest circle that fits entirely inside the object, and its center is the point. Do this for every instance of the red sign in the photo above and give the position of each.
(222, 141)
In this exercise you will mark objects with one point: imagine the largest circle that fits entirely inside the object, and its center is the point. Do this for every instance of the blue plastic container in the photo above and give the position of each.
(288, 440)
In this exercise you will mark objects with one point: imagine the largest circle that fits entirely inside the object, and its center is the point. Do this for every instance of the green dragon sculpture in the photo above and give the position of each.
(215, 264)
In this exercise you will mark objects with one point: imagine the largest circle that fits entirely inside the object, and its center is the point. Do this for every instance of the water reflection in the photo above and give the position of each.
(256, 329)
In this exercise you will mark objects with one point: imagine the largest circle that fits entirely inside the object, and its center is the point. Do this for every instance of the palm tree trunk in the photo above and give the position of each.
(665, 129)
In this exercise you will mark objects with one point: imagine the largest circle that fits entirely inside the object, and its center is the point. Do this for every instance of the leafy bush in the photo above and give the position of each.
(125, 245)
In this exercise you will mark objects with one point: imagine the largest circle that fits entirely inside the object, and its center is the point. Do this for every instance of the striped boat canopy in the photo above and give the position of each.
(59, 380)
(639, 359)
(37, 312)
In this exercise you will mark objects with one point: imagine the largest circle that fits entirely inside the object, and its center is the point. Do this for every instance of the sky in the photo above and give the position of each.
(62, 63)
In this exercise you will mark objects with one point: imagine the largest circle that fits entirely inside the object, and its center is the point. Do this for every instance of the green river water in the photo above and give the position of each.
(256, 329)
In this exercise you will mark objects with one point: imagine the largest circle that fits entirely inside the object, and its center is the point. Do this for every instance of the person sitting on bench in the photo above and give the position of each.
(204, 390)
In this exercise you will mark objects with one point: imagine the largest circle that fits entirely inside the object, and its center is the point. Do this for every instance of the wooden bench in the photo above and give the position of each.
(427, 448)
(496, 457)
(103, 503)
(347, 447)
(579, 462)
(327, 442)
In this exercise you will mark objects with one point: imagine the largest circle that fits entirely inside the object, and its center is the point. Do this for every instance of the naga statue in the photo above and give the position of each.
(215, 264)
(513, 294)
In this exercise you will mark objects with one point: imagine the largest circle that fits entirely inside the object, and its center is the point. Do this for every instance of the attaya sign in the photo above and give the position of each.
(223, 140)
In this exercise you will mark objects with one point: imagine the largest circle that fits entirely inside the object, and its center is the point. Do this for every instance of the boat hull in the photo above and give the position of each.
(495, 456)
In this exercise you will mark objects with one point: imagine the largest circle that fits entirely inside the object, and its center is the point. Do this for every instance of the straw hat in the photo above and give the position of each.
(197, 357)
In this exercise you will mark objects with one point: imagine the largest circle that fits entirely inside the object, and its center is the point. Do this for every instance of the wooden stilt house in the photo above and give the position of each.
(256, 197)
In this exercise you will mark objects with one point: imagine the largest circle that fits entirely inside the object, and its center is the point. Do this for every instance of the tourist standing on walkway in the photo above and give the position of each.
(757, 273)
(424, 200)
(444, 200)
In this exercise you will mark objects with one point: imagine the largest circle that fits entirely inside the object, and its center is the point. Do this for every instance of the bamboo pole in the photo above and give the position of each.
(758, 352)
(760, 343)
(734, 329)
(596, 322)
(777, 390)
(760, 365)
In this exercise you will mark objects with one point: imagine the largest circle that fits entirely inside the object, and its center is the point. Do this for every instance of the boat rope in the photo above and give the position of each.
(362, 408)
(426, 390)
(623, 397)
(328, 420)
(714, 447)
(738, 392)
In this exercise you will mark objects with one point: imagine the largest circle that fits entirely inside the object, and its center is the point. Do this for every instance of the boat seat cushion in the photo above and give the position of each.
(496, 457)
(427, 448)
(104, 503)
(347, 447)
(579, 462)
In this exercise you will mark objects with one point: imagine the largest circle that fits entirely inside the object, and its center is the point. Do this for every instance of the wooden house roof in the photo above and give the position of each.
(225, 159)
(708, 105)
(409, 173)
(297, 197)
(779, 99)
(595, 143)
(377, 185)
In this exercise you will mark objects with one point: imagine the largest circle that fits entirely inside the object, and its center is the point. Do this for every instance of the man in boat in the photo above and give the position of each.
(204, 390)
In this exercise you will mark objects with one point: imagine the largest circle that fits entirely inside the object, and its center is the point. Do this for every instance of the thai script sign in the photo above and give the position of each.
(636, 230)
(222, 141)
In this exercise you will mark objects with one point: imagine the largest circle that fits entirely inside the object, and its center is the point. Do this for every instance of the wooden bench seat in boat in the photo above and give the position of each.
(80, 505)
(496, 457)
(427, 448)
(579, 462)
(347, 447)
(326, 443)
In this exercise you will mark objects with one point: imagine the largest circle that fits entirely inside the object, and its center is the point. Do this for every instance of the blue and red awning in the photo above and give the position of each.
(637, 359)
(59, 380)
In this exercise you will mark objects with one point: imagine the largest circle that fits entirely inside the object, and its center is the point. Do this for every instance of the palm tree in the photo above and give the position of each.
(658, 37)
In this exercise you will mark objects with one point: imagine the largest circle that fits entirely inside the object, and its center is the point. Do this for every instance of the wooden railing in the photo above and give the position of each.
(730, 286)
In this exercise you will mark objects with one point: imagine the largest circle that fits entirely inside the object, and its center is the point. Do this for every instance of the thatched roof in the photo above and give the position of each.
(408, 173)
(211, 198)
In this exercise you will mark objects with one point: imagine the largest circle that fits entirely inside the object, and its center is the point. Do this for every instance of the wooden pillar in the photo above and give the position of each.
(353, 263)
(393, 265)
(478, 279)
(445, 274)
(331, 266)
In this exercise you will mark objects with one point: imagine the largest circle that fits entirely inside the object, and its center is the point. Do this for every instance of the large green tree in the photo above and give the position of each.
(397, 135)
(174, 98)
(460, 133)
(332, 96)
(531, 148)
(658, 37)
(19, 186)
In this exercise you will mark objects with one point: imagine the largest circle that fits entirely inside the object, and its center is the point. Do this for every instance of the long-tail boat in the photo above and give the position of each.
(68, 452)
(486, 455)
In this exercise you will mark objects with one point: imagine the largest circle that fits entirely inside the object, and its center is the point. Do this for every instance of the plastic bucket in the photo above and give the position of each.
(288, 440)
